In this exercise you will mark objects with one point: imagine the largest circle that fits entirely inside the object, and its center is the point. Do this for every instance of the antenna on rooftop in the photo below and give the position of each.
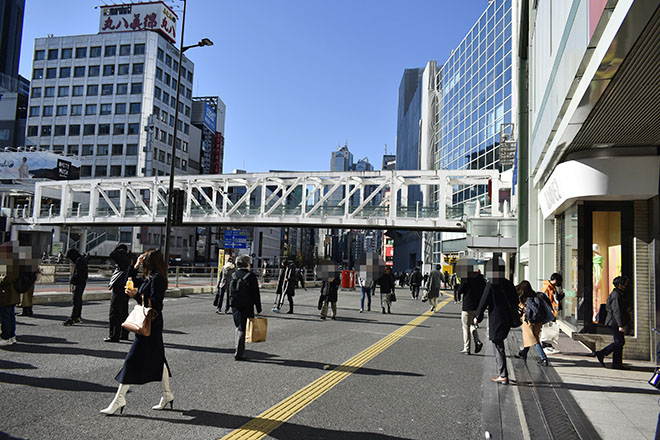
(385, 149)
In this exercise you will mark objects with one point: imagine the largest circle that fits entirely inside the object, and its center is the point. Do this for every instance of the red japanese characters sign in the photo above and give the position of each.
(154, 16)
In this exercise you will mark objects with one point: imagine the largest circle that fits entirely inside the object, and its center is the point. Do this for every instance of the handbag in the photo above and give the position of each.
(256, 330)
(550, 333)
(392, 297)
(139, 320)
(655, 379)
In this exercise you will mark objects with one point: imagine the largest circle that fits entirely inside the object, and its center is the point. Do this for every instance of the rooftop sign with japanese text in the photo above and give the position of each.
(153, 16)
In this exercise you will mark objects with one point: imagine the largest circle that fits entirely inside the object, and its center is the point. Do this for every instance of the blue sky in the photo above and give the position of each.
(298, 77)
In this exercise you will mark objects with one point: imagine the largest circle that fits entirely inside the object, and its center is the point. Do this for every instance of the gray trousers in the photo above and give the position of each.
(500, 359)
(469, 329)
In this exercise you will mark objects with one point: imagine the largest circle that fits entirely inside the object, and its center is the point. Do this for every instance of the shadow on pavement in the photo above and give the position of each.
(74, 351)
(284, 431)
(11, 365)
(315, 318)
(55, 383)
(200, 349)
(266, 358)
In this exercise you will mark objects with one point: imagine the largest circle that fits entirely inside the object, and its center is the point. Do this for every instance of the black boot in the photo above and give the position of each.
(27, 311)
(383, 310)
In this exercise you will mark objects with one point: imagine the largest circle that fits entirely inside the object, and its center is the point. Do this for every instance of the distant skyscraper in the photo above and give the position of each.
(341, 160)
(11, 31)
(13, 98)
(389, 162)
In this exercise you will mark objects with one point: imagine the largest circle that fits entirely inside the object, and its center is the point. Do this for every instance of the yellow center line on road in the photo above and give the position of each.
(271, 419)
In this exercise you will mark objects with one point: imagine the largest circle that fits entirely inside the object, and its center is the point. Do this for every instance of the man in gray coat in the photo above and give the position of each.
(433, 286)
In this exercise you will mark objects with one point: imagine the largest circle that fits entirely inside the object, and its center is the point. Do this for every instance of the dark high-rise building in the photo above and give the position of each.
(11, 31)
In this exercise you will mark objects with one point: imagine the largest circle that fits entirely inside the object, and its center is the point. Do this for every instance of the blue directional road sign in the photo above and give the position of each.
(235, 239)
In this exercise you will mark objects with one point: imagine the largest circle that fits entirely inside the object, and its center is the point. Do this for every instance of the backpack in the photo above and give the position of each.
(239, 292)
(535, 310)
(25, 281)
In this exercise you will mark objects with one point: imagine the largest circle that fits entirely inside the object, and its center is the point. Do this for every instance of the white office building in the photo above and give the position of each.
(92, 97)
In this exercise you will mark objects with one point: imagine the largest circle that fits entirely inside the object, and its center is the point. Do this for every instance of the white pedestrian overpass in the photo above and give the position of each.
(350, 200)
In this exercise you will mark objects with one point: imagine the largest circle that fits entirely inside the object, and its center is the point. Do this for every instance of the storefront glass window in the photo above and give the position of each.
(605, 256)
(573, 295)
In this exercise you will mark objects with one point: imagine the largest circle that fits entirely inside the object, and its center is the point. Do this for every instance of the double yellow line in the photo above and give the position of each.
(271, 419)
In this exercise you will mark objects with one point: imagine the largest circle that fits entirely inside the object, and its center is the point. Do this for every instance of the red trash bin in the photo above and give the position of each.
(347, 279)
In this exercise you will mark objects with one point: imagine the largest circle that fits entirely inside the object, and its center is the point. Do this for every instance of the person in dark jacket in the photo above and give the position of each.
(500, 298)
(415, 282)
(119, 299)
(286, 286)
(618, 320)
(387, 285)
(8, 295)
(433, 286)
(329, 293)
(78, 282)
(471, 289)
(243, 301)
(145, 361)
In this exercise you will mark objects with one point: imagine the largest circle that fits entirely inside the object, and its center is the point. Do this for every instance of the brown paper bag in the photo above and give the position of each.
(256, 330)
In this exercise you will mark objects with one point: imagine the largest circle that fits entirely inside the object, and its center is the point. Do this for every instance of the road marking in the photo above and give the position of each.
(271, 419)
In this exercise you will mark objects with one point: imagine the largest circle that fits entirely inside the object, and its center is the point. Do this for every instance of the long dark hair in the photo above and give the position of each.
(525, 291)
(154, 262)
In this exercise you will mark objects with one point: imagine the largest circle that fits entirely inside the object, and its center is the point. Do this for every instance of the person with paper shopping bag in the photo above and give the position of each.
(256, 330)
(244, 296)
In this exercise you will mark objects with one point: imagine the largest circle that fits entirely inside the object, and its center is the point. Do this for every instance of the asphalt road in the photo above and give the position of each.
(55, 380)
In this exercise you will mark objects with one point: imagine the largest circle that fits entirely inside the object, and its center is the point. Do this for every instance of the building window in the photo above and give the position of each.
(134, 128)
(169, 139)
(95, 52)
(86, 171)
(79, 71)
(186, 129)
(171, 121)
(122, 89)
(58, 149)
(160, 54)
(125, 49)
(65, 72)
(46, 130)
(61, 110)
(81, 52)
(157, 92)
(89, 129)
(49, 92)
(76, 109)
(187, 112)
(184, 165)
(163, 116)
(92, 90)
(35, 92)
(94, 71)
(130, 171)
(166, 98)
(51, 73)
(118, 129)
(37, 74)
(175, 66)
(88, 150)
(110, 51)
(136, 88)
(163, 136)
(115, 170)
(108, 70)
(117, 149)
(104, 129)
(60, 130)
(131, 150)
(167, 79)
(174, 83)
(90, 109)
(74, 130)
(136, 107)
(138, 68)
(106, 109)
(77, 90)
(72, 150)
(32, 130)
(190, 77)
(52, 54)
(66, 53)
(123, 69)
(35, 111)
(159, 73)
(188, 93)
(39, 55)
(177, 162)
(139, 49)
(47, 110)
(169, 158)
(161, 156)
(106, 89)
(63, 91)
(185, 146)
(102, 150)
(156, 112)
(101, 171)
(168, 61)
(120, 108)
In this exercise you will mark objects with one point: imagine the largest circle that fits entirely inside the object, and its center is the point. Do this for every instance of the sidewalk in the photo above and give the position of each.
(574, 398)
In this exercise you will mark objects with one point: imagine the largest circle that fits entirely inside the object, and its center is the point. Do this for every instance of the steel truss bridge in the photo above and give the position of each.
(350, 200)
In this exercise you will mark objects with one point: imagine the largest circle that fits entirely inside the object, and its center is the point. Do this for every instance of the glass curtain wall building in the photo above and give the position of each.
(474, 100)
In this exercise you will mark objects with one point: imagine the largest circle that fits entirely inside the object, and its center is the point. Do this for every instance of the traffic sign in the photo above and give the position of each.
(235, 240)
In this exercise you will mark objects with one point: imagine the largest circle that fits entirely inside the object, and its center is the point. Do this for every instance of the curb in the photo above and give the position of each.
(54, 298)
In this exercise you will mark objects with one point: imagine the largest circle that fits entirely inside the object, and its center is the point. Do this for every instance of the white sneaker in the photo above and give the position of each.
(12, 340)
(6, 342)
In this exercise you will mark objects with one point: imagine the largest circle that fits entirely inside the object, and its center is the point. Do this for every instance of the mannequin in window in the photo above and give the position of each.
(597, 274)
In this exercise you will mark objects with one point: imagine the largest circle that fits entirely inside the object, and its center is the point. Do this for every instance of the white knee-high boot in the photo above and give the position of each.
(167, 397)
(119, 402)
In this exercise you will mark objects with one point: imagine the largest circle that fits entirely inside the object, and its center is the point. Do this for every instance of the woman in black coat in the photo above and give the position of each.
(501, 300)
(387, 286)
(329, 294)
(145, 361)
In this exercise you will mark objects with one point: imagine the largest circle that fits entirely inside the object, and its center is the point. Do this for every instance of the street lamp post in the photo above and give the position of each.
(170, 194)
